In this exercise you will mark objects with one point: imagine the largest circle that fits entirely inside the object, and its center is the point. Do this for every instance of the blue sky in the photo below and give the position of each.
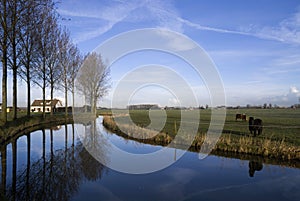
(255, 45)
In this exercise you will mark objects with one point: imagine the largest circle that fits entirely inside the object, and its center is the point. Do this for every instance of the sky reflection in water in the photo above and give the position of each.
(62, 170)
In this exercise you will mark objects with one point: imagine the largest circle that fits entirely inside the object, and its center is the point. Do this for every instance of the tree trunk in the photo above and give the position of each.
(28, 89)
(51, 97)
(4, 65)
(44, 100)
(14, 60)
(15, 94)
(44, 88)
(95, 106)
(66, 101)
(51, 92)
(73, 100)
(91, 103)
(66, 92)
(4, 85)
(85, 106)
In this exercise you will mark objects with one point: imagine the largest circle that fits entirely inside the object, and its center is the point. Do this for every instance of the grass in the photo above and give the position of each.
(23, 115)
(14, 128)
(278, 124)
(280, 137)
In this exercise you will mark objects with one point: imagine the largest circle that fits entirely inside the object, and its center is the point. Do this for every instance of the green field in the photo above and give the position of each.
(280, 139)
(278, 124)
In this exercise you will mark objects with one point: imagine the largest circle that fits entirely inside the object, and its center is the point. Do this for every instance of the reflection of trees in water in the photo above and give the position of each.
(58, 175)
(91, 168)
(95, 143)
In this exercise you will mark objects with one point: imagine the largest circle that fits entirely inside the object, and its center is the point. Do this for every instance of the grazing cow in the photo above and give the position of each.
(258, 126)
(255, 126)
(240, 116)
(251, 124)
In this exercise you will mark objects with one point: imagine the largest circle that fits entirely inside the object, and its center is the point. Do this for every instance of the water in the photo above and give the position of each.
(58, 167)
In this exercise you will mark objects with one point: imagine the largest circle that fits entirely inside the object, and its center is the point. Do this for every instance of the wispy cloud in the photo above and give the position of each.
(115, 12)
(164, 14)
(93, 34)
(107, 15)
(283, 63)
(289, 60)
(107, 10)
(207, 28)
(287, 31)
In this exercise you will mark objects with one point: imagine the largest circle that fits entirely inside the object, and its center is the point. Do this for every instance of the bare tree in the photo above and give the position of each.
(64, 59)
(4, 49)
(53, 66)
(46, 27)
(14, 17)
(35, 48)
(93, 79)
(76, 61)
(28, 37)
(265, 105)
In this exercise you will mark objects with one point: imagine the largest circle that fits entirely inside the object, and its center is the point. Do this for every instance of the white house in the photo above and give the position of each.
(37, 105)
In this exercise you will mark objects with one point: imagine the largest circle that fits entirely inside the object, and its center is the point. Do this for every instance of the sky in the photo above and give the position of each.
(254, 45)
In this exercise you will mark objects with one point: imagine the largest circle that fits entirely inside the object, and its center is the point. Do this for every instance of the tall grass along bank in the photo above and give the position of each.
(265, 146)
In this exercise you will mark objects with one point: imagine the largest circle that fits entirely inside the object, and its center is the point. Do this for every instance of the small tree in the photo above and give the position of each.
(265, 105)
(93, 79)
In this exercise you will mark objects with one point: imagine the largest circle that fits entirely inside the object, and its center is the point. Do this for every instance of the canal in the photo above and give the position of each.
(55, 164)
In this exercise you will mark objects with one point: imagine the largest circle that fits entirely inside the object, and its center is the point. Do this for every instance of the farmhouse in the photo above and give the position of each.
(37, 105)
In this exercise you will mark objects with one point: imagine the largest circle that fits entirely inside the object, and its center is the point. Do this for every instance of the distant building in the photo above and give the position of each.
(175, 108)
(37, 105)
(143, 107)
(63, 109)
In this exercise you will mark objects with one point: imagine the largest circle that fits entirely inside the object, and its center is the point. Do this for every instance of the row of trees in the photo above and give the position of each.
(35, 48)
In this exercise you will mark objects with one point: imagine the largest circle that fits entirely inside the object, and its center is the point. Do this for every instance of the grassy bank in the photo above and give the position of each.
(280, 138)
(14, 128)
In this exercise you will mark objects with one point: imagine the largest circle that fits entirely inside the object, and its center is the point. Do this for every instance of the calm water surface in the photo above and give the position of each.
(53, 164)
